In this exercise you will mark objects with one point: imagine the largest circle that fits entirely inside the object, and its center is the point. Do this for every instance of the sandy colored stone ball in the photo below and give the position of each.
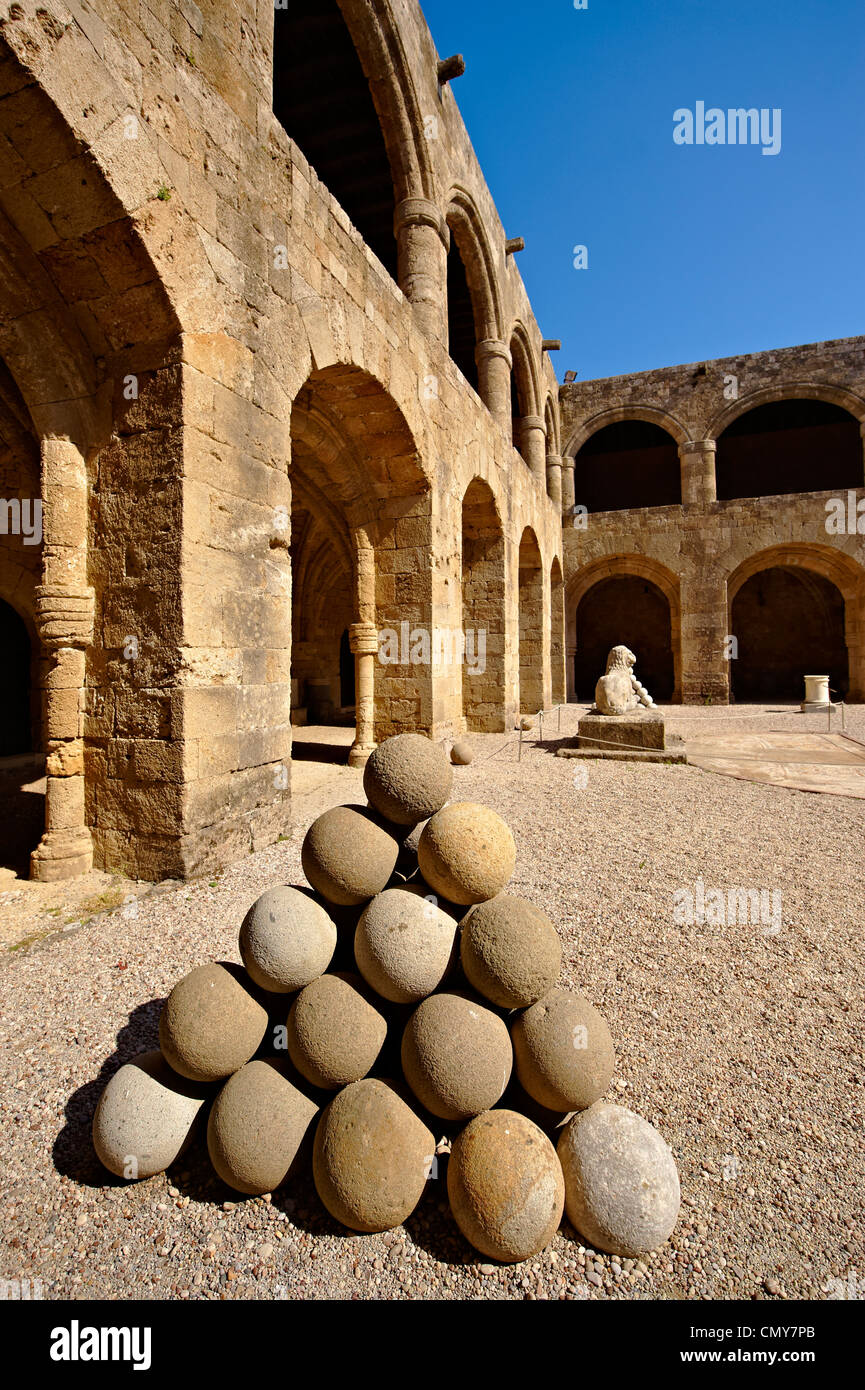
(371, 1157)
(286, 940)
(456, 1056)
(407, 778)
(405, 945)
(563, 1051)
(505, 1186)
(347, 856)
(467, 853)
(257, 1124)
(621, 1182)
(462, 753)
(510, 951)
(334, 1033)
(146, 1117)
(211, 1023)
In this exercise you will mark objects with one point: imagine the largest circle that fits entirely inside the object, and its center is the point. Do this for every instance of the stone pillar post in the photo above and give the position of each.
(554, 478)
(862, 432)
(64, 617)
(698, 472)
(494, 379)
(363, 640)
(533, 436)
(423, 239)
(571, 653)
(568, 495)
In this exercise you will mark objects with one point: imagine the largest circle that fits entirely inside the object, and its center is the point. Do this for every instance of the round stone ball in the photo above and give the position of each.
(621, 1183)
(146, 1117)
(505, 1186)
(348, 856)
(467, 853)
(563, 1051)
(510, 951)
(371, 1157)
(257, 1124)
(286, 940)
(405, 944)
(462, 753)
(211, 1023)
(407, 778)
(334, 1033)
(456, 1056)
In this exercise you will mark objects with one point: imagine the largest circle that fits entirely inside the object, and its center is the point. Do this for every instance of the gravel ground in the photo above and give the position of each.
(742, 1044)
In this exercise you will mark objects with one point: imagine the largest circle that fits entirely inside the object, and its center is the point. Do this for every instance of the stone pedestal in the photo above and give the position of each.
(816, 694)
(638, 736)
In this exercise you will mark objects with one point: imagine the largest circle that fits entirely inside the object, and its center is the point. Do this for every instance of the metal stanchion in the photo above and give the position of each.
(560, 719)
(520, 749)
(541, 723)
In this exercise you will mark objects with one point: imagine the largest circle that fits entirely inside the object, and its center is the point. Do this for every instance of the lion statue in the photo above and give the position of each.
(619, 691)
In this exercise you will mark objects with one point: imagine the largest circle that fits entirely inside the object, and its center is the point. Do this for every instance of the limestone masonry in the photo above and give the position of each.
(269, 371)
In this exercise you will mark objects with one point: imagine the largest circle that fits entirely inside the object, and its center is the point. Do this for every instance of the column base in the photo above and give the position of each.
(61, 854)
(359, 754)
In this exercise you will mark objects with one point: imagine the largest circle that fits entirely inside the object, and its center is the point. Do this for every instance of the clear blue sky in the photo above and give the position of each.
(694, 252)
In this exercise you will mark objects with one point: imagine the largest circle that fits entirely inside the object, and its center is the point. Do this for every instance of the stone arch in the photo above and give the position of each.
(530, 592)
(557, 633)
(469, 234)
(796, 444)
(483, 610)
(639, 567)
(652, 415)
(551, 423)
(790, 390)
(528, 430)
(832, 564)
(627, 464)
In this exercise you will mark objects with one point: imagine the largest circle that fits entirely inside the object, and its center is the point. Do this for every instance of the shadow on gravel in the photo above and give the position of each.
(73, 1151)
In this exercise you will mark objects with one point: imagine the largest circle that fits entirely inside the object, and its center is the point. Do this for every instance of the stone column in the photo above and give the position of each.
(698, 472)
(554, 478)
(862, 432)
(64, 617)
(568, 495)
(363, 640)
(571, 653)
(494, 379)
(423, 239)
(533, 436)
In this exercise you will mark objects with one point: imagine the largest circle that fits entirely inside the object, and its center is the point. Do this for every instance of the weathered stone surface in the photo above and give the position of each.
(510, 951)
(146, 1117)
(505, 1186)
(467, 853)
(334, 1033)
(348, 856)
(211, 1023)
(256, 1127)
(621, 731)
(462, 753)
(371, 1157)
(456, 1056)
(286, 940)
(563, 1051)
(404, 944)
(621, 1182)
(407, 779)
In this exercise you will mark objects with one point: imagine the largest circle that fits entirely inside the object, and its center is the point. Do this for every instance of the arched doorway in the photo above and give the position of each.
(631, 611)
(557, 633)
(531, 601)
(15, 691)
(786, 447)
(483, 599)
(788, 622)
(630, 463)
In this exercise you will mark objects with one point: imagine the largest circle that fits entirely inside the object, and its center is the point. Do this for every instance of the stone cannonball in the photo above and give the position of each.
(211, 1023)
(466, 853)
(348, 856)
(563, 1051)
(407, 778)
(286, 940)
(505, 1186)
(146, 1117)
(621, 1184)
(257, 1124)
(456, 1056)
(371, 1157)
(404, 945)
(461, 753)
(334, 1033)
(510, 951)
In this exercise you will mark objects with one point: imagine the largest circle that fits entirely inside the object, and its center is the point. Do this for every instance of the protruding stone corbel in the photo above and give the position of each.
(449, 68)
(514, 244)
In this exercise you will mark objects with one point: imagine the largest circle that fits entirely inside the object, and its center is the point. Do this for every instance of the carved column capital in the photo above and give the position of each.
(363, 639)
(65, 616)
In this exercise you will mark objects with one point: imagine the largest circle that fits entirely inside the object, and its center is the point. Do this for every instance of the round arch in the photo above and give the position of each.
(473, 246)
(791, 390)
(651, 415)
(637, 567)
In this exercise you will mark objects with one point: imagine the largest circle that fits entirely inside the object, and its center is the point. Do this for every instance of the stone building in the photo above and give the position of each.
(280, 433)
(714, 521)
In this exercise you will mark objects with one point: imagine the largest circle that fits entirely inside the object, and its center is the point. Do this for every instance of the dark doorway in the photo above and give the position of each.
(15, 730)
(322, 99)
(789, 446)
(632, 612)
(629, 464)
(461, 318)
(789, 623)
(346, 672)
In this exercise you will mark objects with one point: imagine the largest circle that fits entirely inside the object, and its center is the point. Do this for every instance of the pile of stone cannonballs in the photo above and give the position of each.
(404, 994)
